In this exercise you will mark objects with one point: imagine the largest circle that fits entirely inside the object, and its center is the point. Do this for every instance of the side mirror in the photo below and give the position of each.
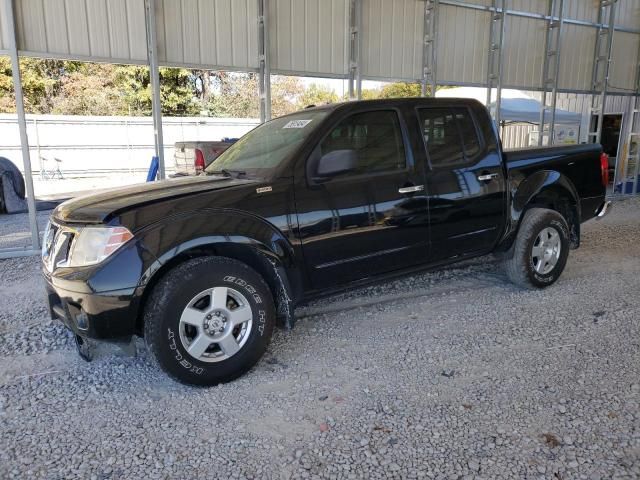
(337, 162)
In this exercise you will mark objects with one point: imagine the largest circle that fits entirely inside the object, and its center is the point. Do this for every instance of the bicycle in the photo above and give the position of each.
(54, 172)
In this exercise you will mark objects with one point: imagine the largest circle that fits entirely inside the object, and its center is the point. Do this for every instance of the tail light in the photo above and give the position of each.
(199, 161)
(604, 169)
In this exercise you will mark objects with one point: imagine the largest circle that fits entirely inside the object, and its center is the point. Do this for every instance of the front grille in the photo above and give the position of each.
(56, 246)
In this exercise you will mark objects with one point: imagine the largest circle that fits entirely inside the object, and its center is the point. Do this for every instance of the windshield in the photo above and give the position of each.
(265, 147)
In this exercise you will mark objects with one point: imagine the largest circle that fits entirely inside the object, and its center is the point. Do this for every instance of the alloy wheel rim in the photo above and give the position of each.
(546, 250)
(215, 324)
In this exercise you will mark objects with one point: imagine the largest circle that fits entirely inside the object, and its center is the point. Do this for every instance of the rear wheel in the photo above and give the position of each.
(209, 320)
(539, 254)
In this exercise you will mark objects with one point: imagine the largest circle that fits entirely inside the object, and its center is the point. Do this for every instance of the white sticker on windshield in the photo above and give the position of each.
(297, 124)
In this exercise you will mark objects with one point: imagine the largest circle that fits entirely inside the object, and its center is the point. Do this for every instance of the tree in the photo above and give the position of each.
(316, 94)
(285, 94)
(234, 95)
(40, 82)
(400, 90)
(64, 87)
(89, 91)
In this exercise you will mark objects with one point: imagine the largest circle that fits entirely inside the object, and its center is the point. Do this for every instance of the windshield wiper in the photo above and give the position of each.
(228, 173)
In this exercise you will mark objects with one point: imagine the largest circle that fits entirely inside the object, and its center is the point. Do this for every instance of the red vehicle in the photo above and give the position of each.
(191, 158)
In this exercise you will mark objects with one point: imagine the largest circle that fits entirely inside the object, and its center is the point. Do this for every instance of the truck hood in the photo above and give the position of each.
(103, 206)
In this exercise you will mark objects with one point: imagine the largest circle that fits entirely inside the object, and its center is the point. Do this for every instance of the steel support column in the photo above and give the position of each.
(355, 76)
(154, 74)
(551, 68)
(496, 55)
(264, 64)
(601, 64)
(22, 127)
(429, 47)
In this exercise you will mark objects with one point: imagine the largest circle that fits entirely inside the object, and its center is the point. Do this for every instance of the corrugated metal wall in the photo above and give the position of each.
(622, 72)
(309, 36)
(392, 39)
(101, 29)
(209, 33)
(463, 42)
(517, 136)
(524, 51)
(576, 65)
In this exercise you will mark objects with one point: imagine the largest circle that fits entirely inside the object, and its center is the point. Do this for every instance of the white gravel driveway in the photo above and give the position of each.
(450, 374)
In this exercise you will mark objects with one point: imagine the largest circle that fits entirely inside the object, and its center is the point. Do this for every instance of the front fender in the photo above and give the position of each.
(180, 233)
(236, 234)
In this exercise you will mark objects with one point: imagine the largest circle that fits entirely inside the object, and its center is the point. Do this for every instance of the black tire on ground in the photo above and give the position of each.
(172, 295)
(519, 262)
(17, 179)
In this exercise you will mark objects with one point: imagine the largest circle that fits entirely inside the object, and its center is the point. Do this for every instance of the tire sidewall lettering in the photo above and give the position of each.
(261, 321)
(183, 362)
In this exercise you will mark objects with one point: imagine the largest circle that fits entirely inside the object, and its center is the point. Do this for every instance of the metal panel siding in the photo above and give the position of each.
(82, 29)
(576, 65)
(533, 6)
(78, 38)
(622, 72)
(4, 18)
(211, 33)
(585, 10)
(524, 51)
(55, 24)
(462, 46)
(392, 39)
(30, 25)
(309, 36)
(99, 39)
(628, 14)
(119, 30)
(137, 30)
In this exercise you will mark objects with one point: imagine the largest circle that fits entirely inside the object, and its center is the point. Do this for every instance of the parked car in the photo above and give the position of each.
(191, 158)
(307, 204)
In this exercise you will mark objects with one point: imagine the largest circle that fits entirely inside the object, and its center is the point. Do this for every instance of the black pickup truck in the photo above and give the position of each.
(304, 205)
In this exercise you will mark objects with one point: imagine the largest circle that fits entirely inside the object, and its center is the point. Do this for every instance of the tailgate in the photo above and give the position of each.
(184, 158)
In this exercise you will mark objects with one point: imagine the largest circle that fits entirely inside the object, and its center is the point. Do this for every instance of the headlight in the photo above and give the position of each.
(92, 245)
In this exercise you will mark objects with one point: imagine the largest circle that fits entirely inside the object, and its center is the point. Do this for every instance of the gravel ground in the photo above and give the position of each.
(15, 231)
(449, 374)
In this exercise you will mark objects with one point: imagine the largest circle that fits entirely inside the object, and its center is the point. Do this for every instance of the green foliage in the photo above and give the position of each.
(234, 95)
(400, 90)
(317, 95)
(393, 90)
(78, 88)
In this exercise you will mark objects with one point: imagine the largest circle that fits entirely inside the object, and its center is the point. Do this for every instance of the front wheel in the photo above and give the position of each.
(540, 251)
(209, 320)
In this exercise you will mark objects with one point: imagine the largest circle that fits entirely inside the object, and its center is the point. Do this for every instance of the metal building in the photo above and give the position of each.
(550, 46)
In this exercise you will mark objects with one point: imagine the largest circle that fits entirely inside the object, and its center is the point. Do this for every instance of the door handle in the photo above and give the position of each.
(411, 189)
(487, 177)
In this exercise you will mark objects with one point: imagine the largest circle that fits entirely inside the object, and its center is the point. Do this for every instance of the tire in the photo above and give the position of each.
(182, 313)
(17, 179)
(522, 264)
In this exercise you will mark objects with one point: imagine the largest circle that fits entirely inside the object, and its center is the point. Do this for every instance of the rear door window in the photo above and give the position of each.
(450, 136)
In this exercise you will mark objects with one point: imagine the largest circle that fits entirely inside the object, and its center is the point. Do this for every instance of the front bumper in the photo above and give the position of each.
(101, 316)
